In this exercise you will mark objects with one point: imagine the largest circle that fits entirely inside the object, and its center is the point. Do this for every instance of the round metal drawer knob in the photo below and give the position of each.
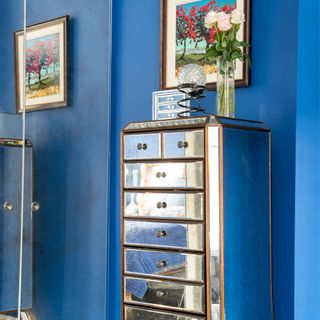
(8, 206)
(35, 206)
(182, 144)
(142, 146)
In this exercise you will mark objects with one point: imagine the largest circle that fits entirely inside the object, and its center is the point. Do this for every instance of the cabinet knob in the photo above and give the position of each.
(161, 175)
(142, 146)
(8, 206)
(161, 205)
(161, 234)
(182, 144)
(161, 264)
(162, 293)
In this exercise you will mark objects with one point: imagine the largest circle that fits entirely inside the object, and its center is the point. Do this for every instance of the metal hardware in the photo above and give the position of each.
(161, 264)
(161, 293)
(35, 206)
(142, 146)
(161, 234)
(161, 174)
(182, 144)
(161, 205)
(8, 206)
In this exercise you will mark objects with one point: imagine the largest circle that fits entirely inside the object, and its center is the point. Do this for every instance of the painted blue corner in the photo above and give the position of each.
(307, 230)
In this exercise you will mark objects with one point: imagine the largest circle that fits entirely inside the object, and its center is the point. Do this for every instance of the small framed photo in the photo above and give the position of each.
(46, 65)
(185, 39)
(166, 105)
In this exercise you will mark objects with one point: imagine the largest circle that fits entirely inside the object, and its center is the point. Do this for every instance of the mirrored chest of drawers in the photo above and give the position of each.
(196, 235)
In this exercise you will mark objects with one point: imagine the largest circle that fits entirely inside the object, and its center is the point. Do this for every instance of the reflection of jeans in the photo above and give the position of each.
(174, 299)
(215, 279)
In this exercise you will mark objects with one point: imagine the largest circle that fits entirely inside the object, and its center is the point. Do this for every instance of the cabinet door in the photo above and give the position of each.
(142, 146)
(184, 144)
(10, 192)
(164, 175)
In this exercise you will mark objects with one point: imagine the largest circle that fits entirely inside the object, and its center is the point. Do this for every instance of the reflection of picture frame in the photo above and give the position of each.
(179, 49)
(46, 65)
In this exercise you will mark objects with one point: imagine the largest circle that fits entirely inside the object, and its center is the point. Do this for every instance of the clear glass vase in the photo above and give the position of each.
(225, 88)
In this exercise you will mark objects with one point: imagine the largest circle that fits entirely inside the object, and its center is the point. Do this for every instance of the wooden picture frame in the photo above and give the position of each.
(170, 63)
(46, 65)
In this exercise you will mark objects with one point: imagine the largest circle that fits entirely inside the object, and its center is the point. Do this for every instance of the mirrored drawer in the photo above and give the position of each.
(187, 144)
(164, 205)
(159, 234)
(188, 267)
(142, 146)
(164, 175)
(135, 313)
(190, 298)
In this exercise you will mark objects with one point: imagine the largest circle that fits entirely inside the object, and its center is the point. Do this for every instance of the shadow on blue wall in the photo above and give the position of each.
(271, 99)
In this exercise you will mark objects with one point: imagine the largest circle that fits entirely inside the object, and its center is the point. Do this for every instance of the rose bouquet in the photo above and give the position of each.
(226, 49)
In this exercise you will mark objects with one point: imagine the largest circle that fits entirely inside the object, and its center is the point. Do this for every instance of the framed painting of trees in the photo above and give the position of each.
(185, 39)
(46, 65)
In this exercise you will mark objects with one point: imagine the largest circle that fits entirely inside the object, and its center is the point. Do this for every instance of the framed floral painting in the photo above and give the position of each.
(46, 65)
(185, 39)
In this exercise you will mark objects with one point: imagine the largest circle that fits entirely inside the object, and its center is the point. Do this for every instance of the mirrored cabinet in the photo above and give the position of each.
(196, 220)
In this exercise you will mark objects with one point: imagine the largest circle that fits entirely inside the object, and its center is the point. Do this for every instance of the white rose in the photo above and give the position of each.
(210, 19)
(224, 21)
(237, 16)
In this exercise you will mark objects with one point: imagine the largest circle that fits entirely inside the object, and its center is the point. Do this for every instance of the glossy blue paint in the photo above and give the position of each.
(71, 148)
(307, 240)
(271, 99)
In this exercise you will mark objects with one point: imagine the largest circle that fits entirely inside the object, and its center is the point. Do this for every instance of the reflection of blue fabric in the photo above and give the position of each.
(144, 262)
(145, 233)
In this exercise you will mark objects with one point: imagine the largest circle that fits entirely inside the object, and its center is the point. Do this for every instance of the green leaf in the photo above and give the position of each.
(244, 44)
(236, 55)
(224, 44)
(212, 52)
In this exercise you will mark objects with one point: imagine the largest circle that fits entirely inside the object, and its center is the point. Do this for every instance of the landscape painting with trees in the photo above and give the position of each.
(45, 76)
(192, 37)
(43, 66)
(185, 38)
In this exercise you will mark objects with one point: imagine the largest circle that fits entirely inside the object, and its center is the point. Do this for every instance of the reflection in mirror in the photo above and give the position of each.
(164, 205)
(215, 259)
(175, 235)
(189, 298)
(135, 313)
(184, 144)
(164, 175)
(189, 267)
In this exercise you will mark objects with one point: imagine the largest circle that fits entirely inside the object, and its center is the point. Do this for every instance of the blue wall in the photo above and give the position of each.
(307, 239)
(71, 162)
(271, 98)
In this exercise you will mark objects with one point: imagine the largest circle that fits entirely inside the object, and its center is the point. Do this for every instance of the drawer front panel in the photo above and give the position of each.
(187, 144)
(174, 235)
(170, 99)
(188, 267)
(164, 205)
(135, 313)
(142, 146)
(189, 298)
(164, 175)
